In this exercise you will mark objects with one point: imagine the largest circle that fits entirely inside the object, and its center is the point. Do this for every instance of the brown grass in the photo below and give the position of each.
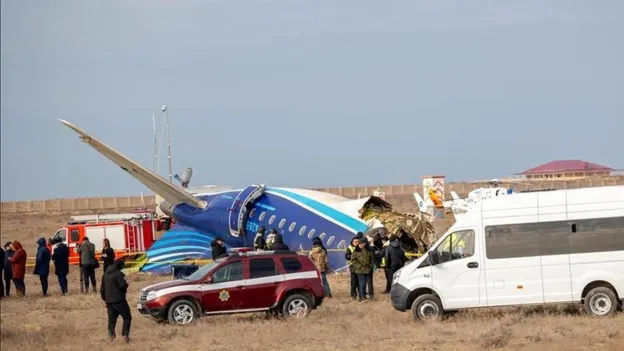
(78, 322)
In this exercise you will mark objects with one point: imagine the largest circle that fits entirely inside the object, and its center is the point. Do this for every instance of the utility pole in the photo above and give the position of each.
(164, 110)
(155, 144)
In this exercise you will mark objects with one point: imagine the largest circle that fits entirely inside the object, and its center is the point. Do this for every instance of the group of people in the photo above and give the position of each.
(112, 290)
(364, 259)
(272, 241)
(14, 258)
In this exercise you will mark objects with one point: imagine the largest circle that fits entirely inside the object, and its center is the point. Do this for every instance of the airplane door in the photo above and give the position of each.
(238, 213)
(458, 277)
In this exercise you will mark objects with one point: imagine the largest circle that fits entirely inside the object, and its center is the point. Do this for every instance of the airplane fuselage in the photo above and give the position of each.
(298, 215)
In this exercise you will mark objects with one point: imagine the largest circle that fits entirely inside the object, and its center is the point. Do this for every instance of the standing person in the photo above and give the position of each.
(374, 251)
(218, 248)
(278, 243)
(8, 268)
(113, 291)
(61, 265)
(348, 256)
(362, 265)
(395, 259)
(89, 264)
(270, 239)
(384, 247)
(42, 265)
(318, 255)
(259, 239)
(2, 256)
(108, 255)
(18, 266)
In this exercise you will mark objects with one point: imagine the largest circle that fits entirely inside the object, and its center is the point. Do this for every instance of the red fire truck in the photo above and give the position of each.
(128, 233)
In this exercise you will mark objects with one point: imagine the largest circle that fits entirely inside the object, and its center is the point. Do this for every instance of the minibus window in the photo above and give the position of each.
(456, 246)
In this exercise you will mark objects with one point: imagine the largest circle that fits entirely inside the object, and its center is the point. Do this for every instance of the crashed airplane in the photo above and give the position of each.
(235, 215)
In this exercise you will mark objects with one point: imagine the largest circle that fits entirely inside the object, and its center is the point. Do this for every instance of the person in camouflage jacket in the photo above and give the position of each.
(319, 257)
(362, 264)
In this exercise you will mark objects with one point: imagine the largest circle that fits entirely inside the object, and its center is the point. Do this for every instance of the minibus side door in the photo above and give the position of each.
(456, 270)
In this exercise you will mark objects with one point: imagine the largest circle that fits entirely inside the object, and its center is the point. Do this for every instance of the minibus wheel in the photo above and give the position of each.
(427, 308)
(600, 302)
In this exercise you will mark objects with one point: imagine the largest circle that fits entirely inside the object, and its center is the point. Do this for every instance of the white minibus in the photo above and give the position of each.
(546, 247)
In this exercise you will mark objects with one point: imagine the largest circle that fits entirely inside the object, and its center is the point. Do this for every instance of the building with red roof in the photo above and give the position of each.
(567, 169)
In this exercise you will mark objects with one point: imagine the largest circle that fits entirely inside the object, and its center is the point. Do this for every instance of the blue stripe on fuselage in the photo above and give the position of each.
(326, 210)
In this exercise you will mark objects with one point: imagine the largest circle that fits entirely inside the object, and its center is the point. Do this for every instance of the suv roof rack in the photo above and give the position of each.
(243, 253)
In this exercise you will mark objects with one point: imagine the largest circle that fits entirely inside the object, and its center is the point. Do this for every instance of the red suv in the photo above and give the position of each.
(277, 282)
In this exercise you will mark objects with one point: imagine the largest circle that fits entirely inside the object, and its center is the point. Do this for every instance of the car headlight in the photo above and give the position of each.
(147, 296)
(396, 276)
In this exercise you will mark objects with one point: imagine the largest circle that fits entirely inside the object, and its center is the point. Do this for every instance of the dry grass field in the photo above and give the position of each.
(78, 322)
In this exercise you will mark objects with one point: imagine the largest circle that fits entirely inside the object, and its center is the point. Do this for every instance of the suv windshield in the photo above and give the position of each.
(203, 270)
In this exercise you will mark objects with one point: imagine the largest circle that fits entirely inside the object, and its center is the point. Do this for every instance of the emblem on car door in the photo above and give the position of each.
(224, 295)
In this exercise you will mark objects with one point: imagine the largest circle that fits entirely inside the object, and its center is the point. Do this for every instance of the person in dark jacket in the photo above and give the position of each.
(2, 256)
(61, 265)
(278, 244)
(362, 265)
(113, 291)
(42, 265)
(8, 268)
(259, 243)
(108, 255)
(218, 248)
(348, 256)
(86, 250)
(394, 259)
(18, 265)
(374, 251)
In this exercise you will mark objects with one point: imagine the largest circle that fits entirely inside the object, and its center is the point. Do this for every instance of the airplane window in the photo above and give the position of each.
(292, 226)
(252, 212)
(322, 236)
(311, 233)
(281, 223)
(272, 219)
(331, 240)
(302, 230)
(341, 244)
(262, 215)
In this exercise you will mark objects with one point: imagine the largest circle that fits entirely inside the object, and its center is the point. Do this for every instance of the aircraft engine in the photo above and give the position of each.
(166, 208)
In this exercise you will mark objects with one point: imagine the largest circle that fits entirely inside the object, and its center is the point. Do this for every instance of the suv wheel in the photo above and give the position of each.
(427, 308)
(600, 302)
(296, 305)
(182, 312)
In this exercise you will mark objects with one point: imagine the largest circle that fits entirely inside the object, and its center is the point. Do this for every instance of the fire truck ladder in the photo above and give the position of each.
(104, 218)
(251, 193)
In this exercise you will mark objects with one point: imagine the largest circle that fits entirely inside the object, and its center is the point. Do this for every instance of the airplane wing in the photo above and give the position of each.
(173, 194)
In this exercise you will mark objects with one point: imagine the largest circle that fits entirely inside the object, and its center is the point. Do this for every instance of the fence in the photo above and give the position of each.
(114, 203)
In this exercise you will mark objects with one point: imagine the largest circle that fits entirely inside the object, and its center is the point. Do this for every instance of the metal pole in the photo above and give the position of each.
(168, 142)
(155, 142)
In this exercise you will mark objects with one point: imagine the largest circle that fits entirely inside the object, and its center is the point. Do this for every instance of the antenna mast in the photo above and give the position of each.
(155, 144)
(164, 109)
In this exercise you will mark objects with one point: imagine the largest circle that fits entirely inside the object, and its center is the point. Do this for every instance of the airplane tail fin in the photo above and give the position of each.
(421, 203)
(171, 193)
(455, 196)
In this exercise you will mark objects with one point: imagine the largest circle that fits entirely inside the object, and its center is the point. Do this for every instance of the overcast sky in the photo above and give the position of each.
(306, 93)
